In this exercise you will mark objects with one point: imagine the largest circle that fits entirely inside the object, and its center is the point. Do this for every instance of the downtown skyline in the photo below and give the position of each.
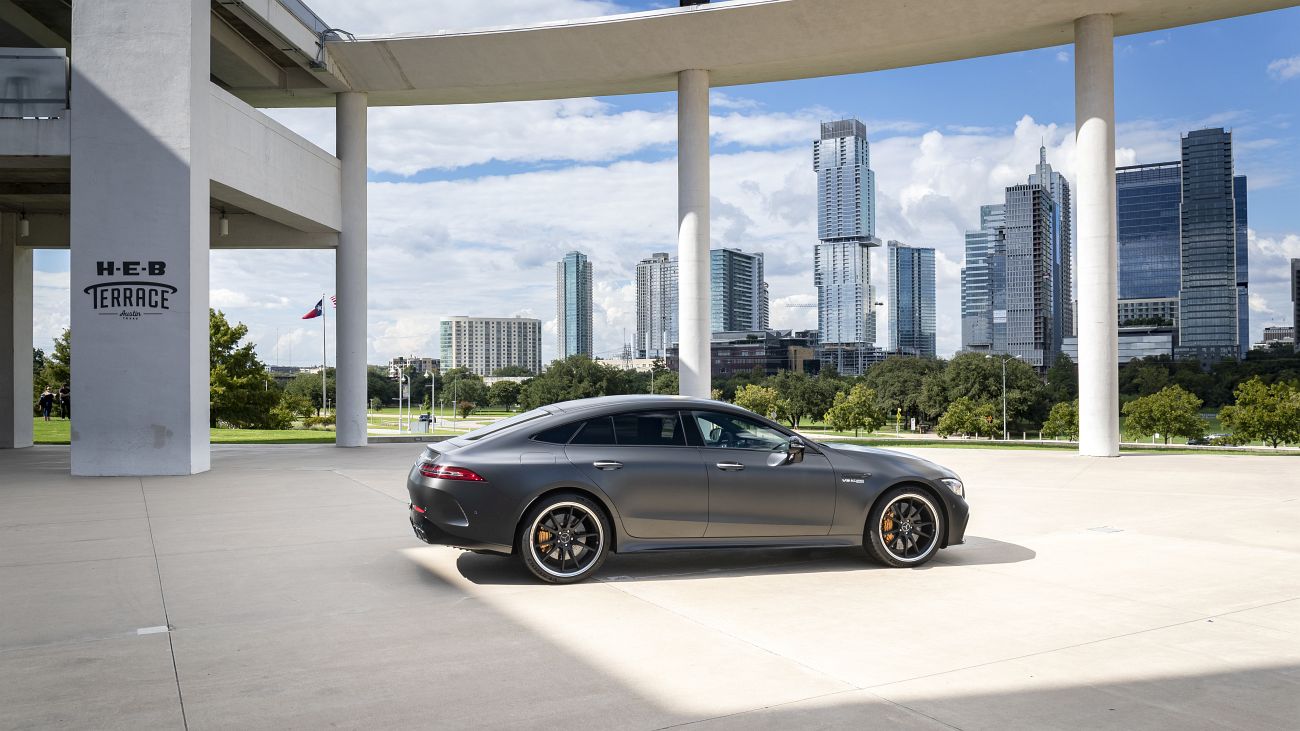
(598, 175)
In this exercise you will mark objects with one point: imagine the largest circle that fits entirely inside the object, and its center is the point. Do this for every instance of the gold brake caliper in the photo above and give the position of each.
(887, 526)
(543, 539)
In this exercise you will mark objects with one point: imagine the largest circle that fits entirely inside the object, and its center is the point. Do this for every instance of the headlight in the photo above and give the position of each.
(954, 484)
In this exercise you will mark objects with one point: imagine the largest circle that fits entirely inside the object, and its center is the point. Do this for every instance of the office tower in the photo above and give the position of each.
(1208, 293)
(1147, 200)
(984, 284)
(1032, 333)
(1062, 252)
(484, 344)
(1295, 299)
(911, 300)
(1243, 264)
(656, 306)
(737, 292)
(846, 228)
(573, 305)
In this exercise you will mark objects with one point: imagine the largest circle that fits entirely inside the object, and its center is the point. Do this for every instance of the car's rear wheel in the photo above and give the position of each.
(564, 538)
(904, 528)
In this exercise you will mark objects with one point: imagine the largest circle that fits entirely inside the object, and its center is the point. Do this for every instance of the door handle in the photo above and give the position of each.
(731, 466)
(607, 465)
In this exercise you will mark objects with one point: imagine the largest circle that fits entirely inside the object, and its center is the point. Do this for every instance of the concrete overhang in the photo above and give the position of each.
(739, 42)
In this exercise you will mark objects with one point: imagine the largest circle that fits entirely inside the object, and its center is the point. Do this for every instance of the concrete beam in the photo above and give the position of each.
(15, 337)
(238, 63)
(31, 27)
(250, 231)
(260, 165)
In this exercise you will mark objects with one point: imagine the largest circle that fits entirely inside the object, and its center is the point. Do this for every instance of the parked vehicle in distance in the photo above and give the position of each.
(562, 486)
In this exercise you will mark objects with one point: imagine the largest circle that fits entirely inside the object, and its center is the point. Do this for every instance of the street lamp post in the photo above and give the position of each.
(1004, 398)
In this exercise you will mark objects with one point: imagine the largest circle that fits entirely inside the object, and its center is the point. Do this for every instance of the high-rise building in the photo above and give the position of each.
(656, 306)
(846, 229)
(911, 300)
(1033, 332)
(1243, 264)
(1062, 255)
(1147, 217)
(484, 344)
(984, 284)
(737, 291)
(1208, 297)
(573, 305)
(1295, 299)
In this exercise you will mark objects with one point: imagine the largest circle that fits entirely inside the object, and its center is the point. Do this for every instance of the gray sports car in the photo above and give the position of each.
(562, 486)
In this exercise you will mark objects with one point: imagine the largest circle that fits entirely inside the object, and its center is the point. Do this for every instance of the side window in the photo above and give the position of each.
(558, 434)
(598, 431)
(731, 431)
(657, 429)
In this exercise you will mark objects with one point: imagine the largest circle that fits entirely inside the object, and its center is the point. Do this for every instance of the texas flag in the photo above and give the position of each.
(316, 311)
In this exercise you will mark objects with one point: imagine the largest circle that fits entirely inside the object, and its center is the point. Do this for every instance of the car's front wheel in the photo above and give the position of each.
(904, 528)
(564, 538)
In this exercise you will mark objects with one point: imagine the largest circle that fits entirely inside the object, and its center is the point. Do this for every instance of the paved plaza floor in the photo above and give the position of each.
(284, 589)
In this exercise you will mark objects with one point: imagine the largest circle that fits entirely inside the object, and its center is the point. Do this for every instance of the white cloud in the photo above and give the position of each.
(1063, 56)
(1284, 69)
(1259, 305)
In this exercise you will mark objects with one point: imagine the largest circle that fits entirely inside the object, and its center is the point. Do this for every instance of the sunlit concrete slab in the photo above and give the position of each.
(1091, 593)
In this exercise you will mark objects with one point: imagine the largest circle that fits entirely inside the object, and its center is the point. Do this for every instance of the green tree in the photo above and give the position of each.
(1170, 412)
(663, 381)
(758, 399)
(289, 409)
(504, 394)
(1062, 382)
(241, 392)
(57, 369)
(465, 408)
(1268, 413)
(462, 384)
(979, 378)
(307, 386)
(855, 409)
(512, 370)
(898, 382)
(578, 377)
(1063, 421)
(380, 386)
(968, 416)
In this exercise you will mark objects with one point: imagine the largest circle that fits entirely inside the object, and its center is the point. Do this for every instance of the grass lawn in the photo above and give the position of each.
(56, 431)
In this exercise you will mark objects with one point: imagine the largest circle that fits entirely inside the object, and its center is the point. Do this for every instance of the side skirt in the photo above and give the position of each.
(641, 545)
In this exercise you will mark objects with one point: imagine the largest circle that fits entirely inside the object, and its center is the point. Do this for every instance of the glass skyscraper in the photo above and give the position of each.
(984, 283)
(911, 300)
(1062, 252)
(737, 291)
(573, 305)
(1208, 319)
(1147, 199)
(1033, 334)
(656, 306)
(1243, 265)
(846, 229)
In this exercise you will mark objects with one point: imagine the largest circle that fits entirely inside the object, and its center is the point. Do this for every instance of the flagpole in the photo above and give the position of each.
(324, 391)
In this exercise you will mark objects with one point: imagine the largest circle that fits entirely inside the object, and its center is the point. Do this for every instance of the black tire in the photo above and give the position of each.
(905, 528)
(564, 538)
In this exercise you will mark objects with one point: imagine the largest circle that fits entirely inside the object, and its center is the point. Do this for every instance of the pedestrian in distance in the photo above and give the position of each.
(65, 402)
(47, 403)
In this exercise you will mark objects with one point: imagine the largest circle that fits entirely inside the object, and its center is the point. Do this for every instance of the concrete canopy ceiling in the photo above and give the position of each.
(739, 42)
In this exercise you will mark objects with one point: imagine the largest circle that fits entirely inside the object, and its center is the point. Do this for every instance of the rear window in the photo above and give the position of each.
(558, 434)
(649, 430)
(598, 431)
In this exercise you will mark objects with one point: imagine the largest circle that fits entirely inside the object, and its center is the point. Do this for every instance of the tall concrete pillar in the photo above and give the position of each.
(350, 272)
(1094, 122)
(694, 367)
(139, 235)
(15, 337)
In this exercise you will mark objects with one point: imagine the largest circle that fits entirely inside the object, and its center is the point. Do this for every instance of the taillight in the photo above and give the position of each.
(446, 472)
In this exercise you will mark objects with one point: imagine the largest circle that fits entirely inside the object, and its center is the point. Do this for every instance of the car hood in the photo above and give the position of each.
(902, 459)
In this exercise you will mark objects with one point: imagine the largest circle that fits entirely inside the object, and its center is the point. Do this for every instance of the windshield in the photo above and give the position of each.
(502, 425)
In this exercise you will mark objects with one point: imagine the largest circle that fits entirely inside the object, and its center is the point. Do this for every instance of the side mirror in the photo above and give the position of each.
(794, 453)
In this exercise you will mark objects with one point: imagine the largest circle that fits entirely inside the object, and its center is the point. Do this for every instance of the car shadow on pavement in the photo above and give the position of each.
(703, 564)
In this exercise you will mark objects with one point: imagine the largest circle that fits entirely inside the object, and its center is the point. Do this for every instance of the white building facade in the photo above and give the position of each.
(486, 344)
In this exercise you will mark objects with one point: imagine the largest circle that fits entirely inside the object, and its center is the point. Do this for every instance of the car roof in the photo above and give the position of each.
(634, 401)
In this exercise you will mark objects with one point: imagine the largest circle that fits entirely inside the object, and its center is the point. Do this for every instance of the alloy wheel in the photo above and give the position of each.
(566, 539)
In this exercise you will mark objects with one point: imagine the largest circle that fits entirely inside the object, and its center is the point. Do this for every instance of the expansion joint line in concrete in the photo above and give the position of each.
(162, 596)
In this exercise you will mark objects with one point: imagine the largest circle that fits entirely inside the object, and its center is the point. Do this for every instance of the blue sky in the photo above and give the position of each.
(471, 206)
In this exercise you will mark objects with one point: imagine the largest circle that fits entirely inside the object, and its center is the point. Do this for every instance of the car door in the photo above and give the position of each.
(642, 461)
(753, 494)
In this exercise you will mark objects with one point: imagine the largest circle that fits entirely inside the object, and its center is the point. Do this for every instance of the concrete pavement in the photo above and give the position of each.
(283, 590)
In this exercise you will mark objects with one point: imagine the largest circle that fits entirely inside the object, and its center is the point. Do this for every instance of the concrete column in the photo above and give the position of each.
(1094, 122)
(694, 366)
(15, 337)
(350, 272)
(139, 233)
